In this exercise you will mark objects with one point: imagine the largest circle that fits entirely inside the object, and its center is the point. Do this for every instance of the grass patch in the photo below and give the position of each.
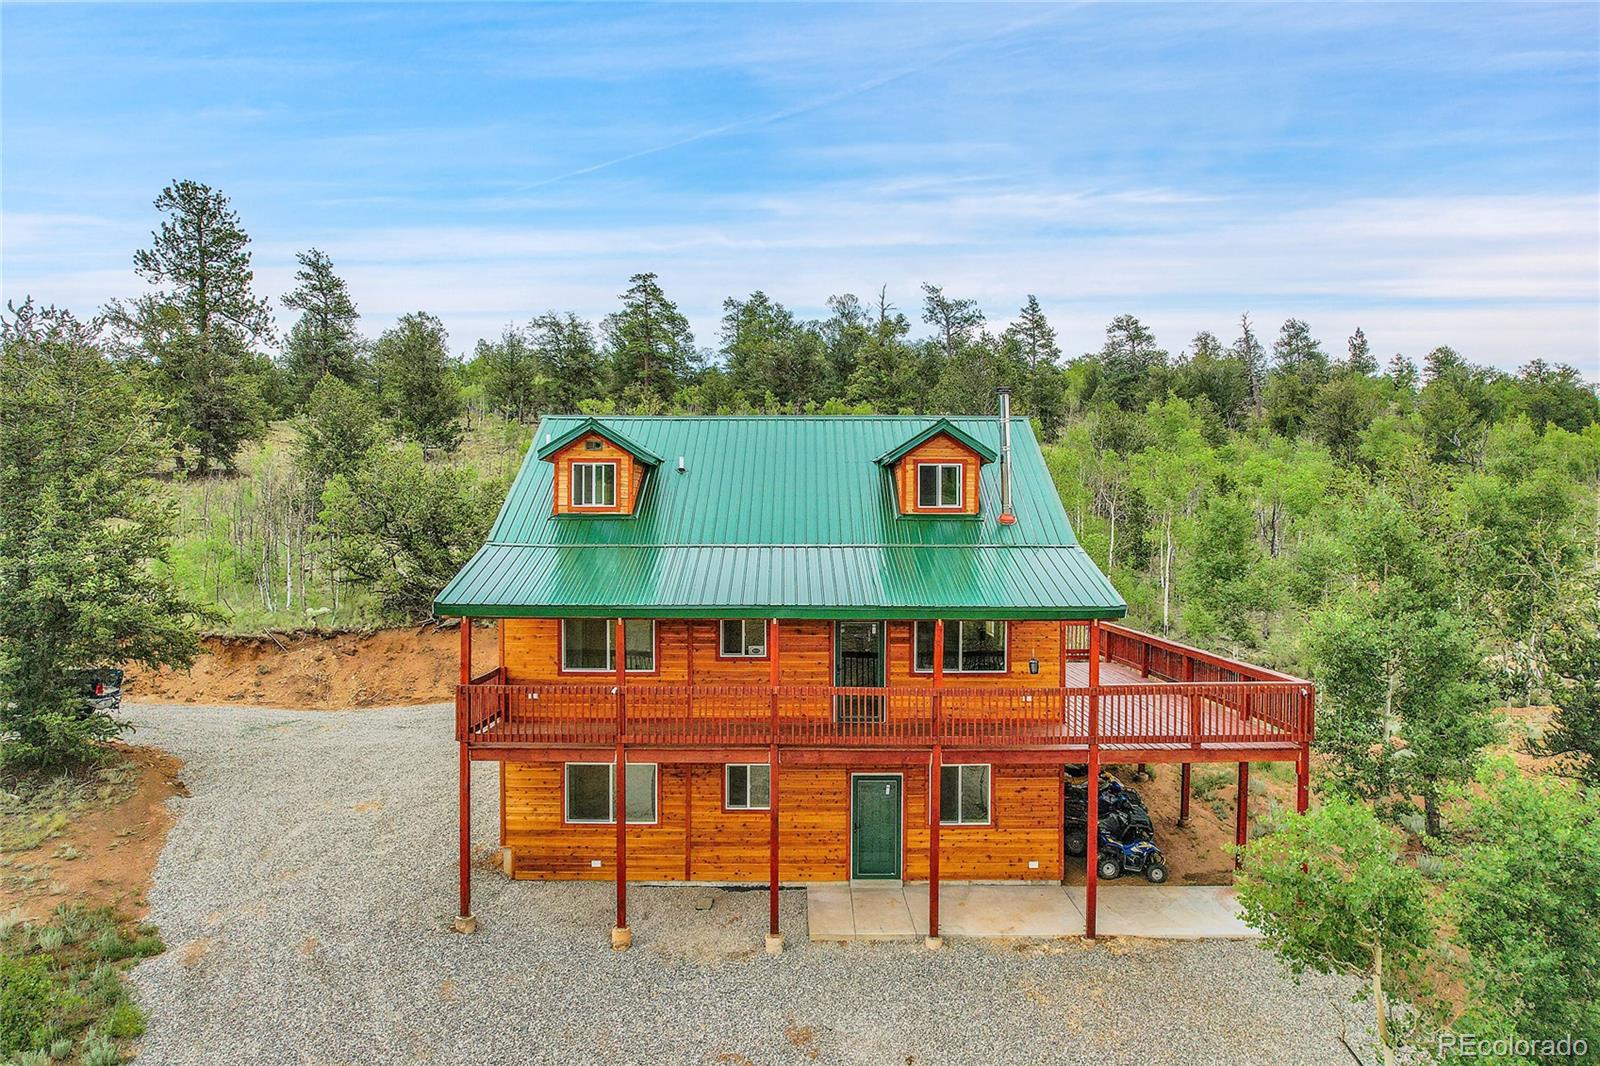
(62, 994)
(34, 809)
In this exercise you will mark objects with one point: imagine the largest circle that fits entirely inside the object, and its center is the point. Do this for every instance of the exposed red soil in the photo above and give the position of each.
(106, 855)
(318, 671)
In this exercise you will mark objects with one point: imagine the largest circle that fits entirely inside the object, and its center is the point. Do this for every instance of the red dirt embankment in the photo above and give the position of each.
(318, 671)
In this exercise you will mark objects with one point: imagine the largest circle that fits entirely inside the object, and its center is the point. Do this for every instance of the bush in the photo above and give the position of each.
(27, 1002)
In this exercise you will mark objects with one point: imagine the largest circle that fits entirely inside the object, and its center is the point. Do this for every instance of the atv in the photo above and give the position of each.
(1114, 801)
(1133, 856)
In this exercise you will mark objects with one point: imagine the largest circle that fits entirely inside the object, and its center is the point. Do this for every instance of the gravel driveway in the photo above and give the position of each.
(306, 890)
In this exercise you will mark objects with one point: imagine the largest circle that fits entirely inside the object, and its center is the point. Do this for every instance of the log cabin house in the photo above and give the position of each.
(823, 648)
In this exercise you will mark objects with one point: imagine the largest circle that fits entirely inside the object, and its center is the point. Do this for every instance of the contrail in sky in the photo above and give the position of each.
(787, 112)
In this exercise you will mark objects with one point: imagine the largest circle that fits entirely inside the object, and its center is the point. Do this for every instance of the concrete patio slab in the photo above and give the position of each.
(891, 911)
(1170, 912)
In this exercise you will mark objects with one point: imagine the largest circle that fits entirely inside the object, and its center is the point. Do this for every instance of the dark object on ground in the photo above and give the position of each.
(101, 688)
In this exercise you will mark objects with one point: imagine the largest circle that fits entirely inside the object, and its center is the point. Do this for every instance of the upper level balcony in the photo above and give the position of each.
(1155, 700)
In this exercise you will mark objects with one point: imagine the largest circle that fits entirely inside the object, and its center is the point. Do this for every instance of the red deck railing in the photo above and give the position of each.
(1196, 699)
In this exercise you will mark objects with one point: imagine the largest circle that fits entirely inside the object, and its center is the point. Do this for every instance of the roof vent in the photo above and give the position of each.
(681, 466)
(1007, 515)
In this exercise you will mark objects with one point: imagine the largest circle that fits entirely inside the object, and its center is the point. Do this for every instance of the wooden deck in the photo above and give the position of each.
(1137, 711)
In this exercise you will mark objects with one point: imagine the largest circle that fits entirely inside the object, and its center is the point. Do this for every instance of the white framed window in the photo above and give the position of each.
(588, 645)
(969, 647)
(591, 793)
(964, 794)
(747, 786)
(594, 484)
(743, 638)
(939, 485)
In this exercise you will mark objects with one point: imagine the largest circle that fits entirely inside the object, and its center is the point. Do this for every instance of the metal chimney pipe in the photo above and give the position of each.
(1007, 515)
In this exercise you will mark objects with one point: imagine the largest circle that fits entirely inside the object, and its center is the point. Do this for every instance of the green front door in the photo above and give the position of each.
(875, 826)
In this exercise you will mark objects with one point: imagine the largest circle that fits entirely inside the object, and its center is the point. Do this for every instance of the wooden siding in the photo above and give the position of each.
(630, 475)
(941, 449)
(531, 650)
(814, 818)
(805, 654)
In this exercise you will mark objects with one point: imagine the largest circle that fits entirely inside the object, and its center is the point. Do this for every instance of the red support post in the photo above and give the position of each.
(935, 783)
(1091, 848)
(464, 921)
(620, 936)
(464, 914)
(1241, 832)
(772, 800)
(1183, 798)
(1302, 786)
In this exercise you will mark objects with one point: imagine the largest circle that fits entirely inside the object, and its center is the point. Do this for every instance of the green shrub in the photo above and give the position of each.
(98, 1050)
(125, 1022)
(27, 1001)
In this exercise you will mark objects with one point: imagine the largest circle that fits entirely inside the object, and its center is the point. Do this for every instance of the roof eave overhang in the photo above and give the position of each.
(444, 609)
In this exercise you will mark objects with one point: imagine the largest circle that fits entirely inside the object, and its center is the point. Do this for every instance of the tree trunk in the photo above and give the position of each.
(1380, 1006)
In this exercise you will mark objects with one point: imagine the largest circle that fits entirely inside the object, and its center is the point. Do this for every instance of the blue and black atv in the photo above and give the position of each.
(1114, 798)
(1127, 847)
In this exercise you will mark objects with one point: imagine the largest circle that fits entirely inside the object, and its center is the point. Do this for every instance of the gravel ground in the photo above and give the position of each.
(306, 890)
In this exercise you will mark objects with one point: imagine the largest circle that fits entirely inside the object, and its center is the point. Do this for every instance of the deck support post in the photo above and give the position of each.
(1183, 797)
(464, 921)
(1091, 849)
(1241, 831)
(1302, 783)
(774, 937)
(621, 935)
(935, 786)
(1091, 846)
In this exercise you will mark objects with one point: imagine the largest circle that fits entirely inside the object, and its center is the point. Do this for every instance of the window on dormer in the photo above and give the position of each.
(594, 484)
(939, 485)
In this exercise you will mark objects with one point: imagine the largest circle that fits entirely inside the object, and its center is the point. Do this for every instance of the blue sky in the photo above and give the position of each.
(1428, 172)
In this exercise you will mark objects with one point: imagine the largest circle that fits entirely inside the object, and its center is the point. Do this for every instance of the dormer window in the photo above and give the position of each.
(939, 485)
(599, 472)
(935, 473)
(594, 484)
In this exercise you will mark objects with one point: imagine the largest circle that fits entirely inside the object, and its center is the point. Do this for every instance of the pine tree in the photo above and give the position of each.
(1132, 366)
(1035, 338)
(569, 365)
(1403, 372)
(339, 426)
(883, 378)
(324, 340)
(84, 537)
(769, 354)
(508, 371)
(844, 335)
(649, 347)
(1361, 359)
(1248, 350)
(417, 391)
(198, 328)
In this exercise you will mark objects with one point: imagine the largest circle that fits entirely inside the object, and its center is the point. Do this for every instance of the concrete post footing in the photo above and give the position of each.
(621, 939)
(465, 923)
(774, 943)
(934, 943)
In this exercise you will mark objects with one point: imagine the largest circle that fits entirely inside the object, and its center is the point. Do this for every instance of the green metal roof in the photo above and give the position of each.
(943, 425)
(787, 517)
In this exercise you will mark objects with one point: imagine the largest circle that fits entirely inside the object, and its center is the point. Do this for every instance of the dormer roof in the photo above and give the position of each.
(549, 446)
(939, 426)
